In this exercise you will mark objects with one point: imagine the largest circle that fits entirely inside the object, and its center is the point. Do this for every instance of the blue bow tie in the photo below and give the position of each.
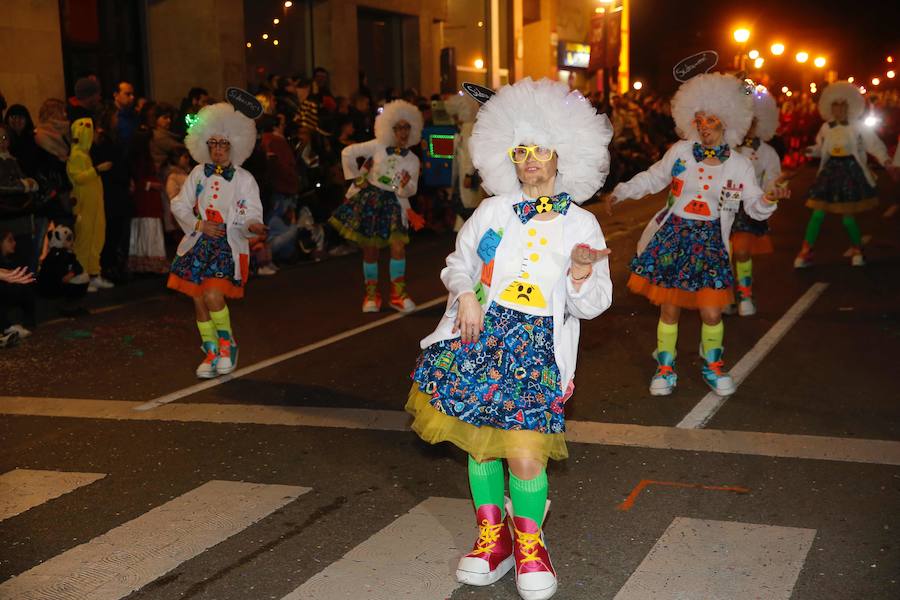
(397, 150)
(226, 172)
(526, 209)
(701, 153)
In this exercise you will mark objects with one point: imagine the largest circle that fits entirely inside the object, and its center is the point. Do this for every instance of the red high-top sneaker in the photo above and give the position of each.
(400, 300)
(491, 558)
(535, 577)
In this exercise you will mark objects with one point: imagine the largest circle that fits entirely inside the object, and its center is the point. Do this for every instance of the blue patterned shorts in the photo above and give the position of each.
(508, 379)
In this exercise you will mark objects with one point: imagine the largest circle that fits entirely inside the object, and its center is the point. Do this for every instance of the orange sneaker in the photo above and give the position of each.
(400, 300)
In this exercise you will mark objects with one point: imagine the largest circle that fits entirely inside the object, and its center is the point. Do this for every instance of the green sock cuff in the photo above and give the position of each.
(222, 320)
(529, 496)
(487, 482)
(486, 469)
(666, 337)
(207, 331)
(712, 336)
(744, 269)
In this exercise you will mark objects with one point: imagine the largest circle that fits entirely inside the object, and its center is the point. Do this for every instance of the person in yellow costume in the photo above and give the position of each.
(87, 190)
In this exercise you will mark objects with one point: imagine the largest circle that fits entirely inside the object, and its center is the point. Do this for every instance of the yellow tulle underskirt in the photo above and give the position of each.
(482, 443)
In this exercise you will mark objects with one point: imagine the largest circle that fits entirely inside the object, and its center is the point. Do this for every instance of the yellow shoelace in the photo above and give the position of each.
(528, 545)
(488, 535)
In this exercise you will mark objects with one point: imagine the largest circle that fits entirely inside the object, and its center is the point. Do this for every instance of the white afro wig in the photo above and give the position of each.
(765, 111)
(394, 112)
(714, 94)
(842, 91)
(544, 113)
(221, 120)
(462, 106)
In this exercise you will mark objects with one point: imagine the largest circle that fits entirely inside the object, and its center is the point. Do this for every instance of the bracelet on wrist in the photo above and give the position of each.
(588, 274)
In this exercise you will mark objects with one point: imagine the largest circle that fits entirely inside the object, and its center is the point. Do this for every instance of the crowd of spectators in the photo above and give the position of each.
(139, 155)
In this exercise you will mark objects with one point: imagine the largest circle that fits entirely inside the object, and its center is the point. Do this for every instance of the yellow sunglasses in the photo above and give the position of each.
(519, 154)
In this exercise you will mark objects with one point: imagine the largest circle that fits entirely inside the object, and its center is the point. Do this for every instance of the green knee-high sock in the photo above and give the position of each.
(529, 496)
(744, 271)
(487, 483)
(207, 332)
(853, 231)
(711, 336)
(814, 226)
(666, 337)
(222, 320)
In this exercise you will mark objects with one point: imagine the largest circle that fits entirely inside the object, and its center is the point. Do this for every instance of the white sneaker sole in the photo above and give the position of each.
(481, 579)
(723, 392)
(405, 309)
(662, 391)
(226, 370)
(543, 594)
(370, 309)
(207, 375)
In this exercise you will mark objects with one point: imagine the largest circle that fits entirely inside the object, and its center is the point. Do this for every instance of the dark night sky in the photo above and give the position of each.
(856, 36)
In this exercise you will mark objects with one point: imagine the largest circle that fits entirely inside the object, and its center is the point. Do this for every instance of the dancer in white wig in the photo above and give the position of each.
(682, 259)
(750, 237)
(494, 376)
(466, 181)
(219, 210)
(376, 212)
(844, 186)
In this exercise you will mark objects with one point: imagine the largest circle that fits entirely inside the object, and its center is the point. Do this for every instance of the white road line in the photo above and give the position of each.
(696, 558)
(812, 447)
(199, 387)
(23, 489)
(123, 560)
(711, 402)
(413, 557)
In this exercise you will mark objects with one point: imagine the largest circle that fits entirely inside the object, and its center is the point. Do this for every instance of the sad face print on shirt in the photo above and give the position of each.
(541, 266)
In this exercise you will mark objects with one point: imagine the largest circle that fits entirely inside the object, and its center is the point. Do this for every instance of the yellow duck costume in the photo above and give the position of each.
(87, 189)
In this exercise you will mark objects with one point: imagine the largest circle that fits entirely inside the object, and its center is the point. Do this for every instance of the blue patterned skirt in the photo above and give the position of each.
(685, 264)
(507, 380)
(208, 265)
(372, 217)
(841, 187)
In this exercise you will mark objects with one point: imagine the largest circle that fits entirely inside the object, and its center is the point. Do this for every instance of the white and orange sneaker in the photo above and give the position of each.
(400, 300)
(228, 355)
(372, 300)
(207, 369)
(492, 555)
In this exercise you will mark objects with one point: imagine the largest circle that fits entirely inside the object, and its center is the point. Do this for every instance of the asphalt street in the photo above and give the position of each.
(122, 477)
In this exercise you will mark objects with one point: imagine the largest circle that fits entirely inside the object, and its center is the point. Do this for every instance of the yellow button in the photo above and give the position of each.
(532, 231)
(534, 257)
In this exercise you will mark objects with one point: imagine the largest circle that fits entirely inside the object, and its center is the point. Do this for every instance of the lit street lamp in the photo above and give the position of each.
(637, 85)
(758, 63)
(753, 54)
(891, 74)
(819, 62)
(777, 49)
(875, 81)
(802, 57)
(741, 35)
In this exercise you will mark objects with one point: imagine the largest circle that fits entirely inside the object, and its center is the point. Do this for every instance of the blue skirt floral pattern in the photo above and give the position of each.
(208, 264)
(841, 187)
(371, 217)
(686, 254)
(508, 379)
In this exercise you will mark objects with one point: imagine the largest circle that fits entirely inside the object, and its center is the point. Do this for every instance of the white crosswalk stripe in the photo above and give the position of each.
(132, 555)
(719, 560)
(413, 557)
(23, 489)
